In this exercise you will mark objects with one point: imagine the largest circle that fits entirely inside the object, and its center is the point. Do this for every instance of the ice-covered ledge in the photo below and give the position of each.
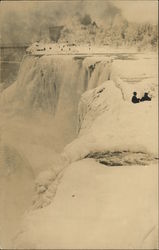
(107, 122)
(39, 49)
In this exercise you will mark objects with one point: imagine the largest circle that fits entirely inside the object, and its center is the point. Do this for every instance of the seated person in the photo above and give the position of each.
(134, 98)
(145, 97)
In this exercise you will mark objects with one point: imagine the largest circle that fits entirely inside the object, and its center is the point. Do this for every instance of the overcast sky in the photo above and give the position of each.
(139, 11)
(23, 21)
(132, 10)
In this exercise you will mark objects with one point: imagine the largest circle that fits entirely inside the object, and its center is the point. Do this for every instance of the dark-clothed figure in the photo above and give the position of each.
(134, 98)
(145, 97)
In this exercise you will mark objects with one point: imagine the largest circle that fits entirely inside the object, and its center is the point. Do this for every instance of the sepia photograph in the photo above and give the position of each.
(79, 124)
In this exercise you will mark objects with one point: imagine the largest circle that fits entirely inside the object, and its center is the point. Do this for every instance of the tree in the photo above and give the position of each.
(86, 20)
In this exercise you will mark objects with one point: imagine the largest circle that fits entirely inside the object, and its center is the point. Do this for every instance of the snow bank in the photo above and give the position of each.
(109, 123)
(97, 101)
(97, 208)
(139, 74)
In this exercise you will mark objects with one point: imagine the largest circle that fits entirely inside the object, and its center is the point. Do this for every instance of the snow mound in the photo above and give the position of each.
(139, 74)
(107, 122)
(97, 208)
(96, 101)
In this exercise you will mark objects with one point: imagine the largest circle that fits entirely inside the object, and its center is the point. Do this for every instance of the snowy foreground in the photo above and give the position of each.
(78, 156)
(97, 208)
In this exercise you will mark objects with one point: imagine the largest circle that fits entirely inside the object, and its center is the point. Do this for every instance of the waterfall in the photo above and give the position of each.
(47, 83)
(53, 85)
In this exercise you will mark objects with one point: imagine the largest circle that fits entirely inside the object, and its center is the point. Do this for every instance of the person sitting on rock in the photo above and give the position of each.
(145, 97)
(134, 98)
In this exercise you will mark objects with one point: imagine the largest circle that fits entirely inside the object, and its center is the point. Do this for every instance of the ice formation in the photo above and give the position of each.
(107, 122)
(63, 109)
(53, 85)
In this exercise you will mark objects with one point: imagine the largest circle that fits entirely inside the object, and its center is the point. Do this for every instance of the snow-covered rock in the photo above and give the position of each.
(97, 208)
(97, 101)
(108, 122)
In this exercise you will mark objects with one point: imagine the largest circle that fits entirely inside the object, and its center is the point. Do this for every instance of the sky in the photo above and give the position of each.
(24, 20)
(132, 10)
(139, 11)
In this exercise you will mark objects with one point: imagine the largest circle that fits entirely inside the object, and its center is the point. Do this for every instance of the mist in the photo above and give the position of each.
(26, 22)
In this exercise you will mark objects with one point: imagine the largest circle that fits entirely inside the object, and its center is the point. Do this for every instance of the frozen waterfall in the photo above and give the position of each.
(54, 83)
(52, 86)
